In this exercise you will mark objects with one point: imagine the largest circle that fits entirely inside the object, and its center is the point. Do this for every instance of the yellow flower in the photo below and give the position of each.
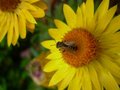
(84, 52)
(15, 15)
(35, 70)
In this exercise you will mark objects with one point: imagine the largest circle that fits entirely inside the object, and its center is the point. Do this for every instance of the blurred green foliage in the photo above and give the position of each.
(13, 60)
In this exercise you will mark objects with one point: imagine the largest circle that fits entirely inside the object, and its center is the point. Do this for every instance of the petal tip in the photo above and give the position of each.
(66, 6)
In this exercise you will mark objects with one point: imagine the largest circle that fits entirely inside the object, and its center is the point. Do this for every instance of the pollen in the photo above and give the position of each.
(9, 5)
(86, 47)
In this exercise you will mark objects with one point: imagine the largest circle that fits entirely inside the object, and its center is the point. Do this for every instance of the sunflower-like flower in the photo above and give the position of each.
(85, 51)
(35, 70)
(15, 15)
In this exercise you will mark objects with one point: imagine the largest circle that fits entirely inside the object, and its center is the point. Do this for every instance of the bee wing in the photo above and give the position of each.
(69, 43)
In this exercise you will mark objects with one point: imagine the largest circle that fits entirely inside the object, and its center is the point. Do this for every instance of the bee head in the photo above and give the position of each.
(59, 44)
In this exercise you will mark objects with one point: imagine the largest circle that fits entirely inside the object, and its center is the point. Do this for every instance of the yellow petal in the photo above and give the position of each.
(59, 75)
(79, 23)
(102, 9)
(3, 20)
(94, 77)
(9, 36)
(39, 13)
(53, 54)
(2, 17)
(76, 83)
(10, 31)
(22, 25)
(105, 20)
(5, 27)
(114, 25)
(113, 39)
(86, 80)
(52, 65)
(16, 30)
(83, 9)
(41, 4)
(27, 6)
(61, 26)
(111, 66)
(30, 27)
(106, 79)
(65, 82)
(90, 19)
(109, 82)
(49, 44)
(70, 15)
(90, 10)
(110, 42)
(28, 16)
(56, 34)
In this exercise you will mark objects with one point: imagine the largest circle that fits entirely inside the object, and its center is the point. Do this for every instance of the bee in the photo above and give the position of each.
(66, 45)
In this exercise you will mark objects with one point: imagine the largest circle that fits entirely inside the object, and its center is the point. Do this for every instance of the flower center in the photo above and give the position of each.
(9, 5)
(86, 47)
